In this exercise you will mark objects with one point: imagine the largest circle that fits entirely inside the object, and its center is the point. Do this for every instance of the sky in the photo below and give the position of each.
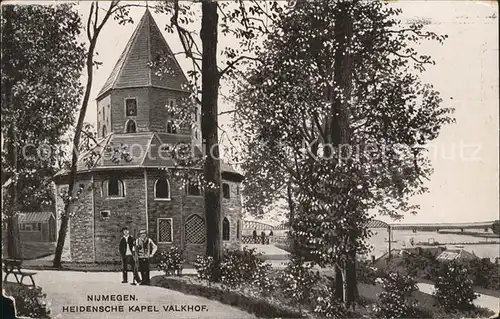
(465, 157)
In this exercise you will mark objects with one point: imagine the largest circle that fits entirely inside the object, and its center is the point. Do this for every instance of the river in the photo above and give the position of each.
(403, 239)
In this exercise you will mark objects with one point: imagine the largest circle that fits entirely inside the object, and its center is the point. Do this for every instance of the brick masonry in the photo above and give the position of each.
(94, 233)
(152, 114)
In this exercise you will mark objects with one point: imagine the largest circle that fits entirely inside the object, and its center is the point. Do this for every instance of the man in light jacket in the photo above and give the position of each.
(146, 249)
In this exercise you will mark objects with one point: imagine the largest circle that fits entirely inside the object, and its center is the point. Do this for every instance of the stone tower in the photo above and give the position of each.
(137, 112)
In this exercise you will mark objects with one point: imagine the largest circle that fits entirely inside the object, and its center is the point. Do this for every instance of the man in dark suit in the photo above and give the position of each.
(126, 252)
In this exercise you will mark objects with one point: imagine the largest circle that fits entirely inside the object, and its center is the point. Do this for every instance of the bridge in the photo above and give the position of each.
(443, 226)
(253, 224)
(487, 225)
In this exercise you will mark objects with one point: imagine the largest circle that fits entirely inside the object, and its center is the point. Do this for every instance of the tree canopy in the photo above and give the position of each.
(345, 117)
(42, 61)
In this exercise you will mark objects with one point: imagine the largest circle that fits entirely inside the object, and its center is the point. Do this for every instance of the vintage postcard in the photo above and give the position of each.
(250, 159)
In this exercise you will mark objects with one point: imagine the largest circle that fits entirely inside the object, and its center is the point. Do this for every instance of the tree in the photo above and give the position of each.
(41, 65)
(93, 28)
(496, 227)
(453, 287)
(394, 301)
(248, 26)
(339, 93)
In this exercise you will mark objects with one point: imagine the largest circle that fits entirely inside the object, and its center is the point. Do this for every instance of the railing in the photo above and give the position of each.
(268, 240)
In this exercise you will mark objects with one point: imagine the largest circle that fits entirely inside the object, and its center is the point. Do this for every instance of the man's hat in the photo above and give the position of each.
(143, 231)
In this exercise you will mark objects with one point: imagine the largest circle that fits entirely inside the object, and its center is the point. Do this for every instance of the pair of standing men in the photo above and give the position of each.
(144, 248)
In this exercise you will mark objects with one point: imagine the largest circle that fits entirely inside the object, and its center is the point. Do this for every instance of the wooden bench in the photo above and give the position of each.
(13, 266)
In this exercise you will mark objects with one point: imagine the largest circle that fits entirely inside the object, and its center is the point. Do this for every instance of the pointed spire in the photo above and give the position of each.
(132, 69)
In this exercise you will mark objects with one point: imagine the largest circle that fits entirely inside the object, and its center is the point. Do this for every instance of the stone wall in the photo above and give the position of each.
(81, 223)
(96, 222)
(118, 116)
(128, 211)
(104, 115)
(158, 98)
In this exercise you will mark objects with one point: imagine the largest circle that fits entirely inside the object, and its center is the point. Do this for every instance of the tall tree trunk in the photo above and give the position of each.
(291, 217)
(209, 128)
(74, 156)
(339, 129)
(10, 207)
(13, 242)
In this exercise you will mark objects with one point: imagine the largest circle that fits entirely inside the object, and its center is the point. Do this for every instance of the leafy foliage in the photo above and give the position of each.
(42, 60)
(345, 148)
(171, 261)
(296, 281)
(394, 301)
(484, 273)
(325, 304)
(204, 267)
(237, 268)
(453, 287)
(30, 301)
(366, 273)
(496, 227)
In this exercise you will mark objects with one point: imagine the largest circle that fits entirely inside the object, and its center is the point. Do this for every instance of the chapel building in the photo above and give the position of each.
(126, 177)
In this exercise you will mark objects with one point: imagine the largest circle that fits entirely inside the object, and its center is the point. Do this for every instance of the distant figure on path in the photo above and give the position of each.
(271, 233)
(255, 236)
(146, 250)
(126, 251)
(263, 235)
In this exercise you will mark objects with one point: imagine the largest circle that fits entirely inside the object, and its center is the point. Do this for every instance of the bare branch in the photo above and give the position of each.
(186, 38)
(234, 62)
(89, 20)
(227, 112)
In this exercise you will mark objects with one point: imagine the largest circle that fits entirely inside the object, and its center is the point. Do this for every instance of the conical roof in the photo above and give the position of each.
(132, 70)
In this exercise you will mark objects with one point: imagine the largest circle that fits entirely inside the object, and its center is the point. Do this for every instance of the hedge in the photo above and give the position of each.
(252, 304)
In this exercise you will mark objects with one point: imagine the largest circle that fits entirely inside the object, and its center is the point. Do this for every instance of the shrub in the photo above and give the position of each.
(296, 281)
(325, 304)
(453, 287)
(419, 265)
(171, 261)
(366, 273)
(204, 267)
(239, 266)
(484, 273)
(263, 280)
(30, 301)
(236, 268)
(394, 301)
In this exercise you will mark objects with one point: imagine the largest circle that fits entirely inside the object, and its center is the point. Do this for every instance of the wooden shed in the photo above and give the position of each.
(37, 226)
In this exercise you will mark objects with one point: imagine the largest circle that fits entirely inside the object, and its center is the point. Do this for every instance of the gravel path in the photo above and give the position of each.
(68, 288)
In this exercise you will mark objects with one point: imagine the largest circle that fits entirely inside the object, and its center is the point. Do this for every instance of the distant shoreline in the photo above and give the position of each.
(450, 244)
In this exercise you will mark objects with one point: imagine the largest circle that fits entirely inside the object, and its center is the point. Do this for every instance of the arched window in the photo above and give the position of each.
(193, 188)
(195, 230)
(225, 191)
(104, 131)
(131, 127)
(162, 189)
(225, 229)
(171, 127)
(238, 229)
(114, 187)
